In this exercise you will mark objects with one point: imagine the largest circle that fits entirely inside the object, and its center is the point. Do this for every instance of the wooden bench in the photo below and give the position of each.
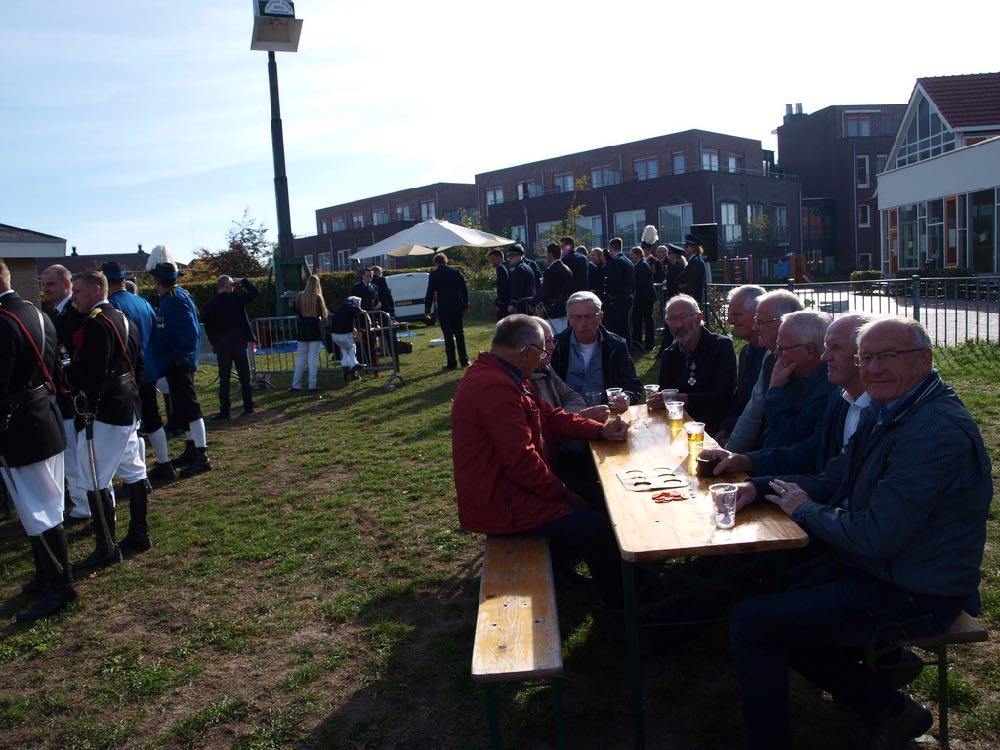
(517, 629)
(965, 629)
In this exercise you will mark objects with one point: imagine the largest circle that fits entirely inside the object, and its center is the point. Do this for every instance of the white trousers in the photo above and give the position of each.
(308, 353)
(115, 453)
(77, 487)
(37, 492)
(348, 348)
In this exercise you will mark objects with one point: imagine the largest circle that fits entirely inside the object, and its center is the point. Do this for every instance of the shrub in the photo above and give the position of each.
(869, 275)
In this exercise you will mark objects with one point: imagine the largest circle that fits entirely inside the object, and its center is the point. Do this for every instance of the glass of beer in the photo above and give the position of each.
(696, 435)
(675, 415)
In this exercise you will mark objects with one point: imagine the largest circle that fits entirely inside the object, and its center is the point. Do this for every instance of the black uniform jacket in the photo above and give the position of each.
(368, 294)
(107, 365)
(556, 283)
(449, 286)
(503, 287)
(645, 292)
(580, 266)
(619, 281)
(225, 319)
(712, 365)
(31, 427)
(66, 322)
(384, 294)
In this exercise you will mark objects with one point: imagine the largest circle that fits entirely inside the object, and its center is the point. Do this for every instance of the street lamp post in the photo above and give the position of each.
(276, 29)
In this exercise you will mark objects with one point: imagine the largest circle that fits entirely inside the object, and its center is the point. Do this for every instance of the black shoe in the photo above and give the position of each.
(102, 557)
(221, 415)
(450, 367)
(893, 732)
(199, 465)
(900, 668)
(138, 542)
(162, 473)
(35, 585)
(55, 601)
(186, 457)
(248, 410)
(295, 390)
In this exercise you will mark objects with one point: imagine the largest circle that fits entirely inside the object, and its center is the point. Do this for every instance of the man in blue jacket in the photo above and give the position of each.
(448, 286)
(902, 512)
(176, 342)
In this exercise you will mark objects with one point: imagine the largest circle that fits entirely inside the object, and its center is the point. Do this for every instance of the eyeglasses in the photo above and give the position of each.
(864, 360)
(585, 316)
(542, 353)
(550, 339)
(757, 322)
(782, 349)
(675, 319)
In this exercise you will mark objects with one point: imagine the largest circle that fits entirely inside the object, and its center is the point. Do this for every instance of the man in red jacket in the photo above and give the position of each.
(503, 477)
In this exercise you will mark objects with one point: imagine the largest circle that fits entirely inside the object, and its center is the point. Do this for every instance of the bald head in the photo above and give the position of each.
(841, 344)
(895, 356)
(57, 283)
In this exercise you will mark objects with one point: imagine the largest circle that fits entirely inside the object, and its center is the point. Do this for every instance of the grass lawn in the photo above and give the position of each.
(314, 591)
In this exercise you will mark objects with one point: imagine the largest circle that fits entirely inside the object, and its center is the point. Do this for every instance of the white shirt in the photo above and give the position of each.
(587, 352)
(854, 412)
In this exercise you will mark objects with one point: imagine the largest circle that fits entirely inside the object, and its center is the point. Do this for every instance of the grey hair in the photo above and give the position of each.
(784, 302)
(517, 331)
(61, 272)
(809, 326)
(546, 325)
(585, 297)
(748, 294)
(920, 338)
(685, 298)
(856, 321)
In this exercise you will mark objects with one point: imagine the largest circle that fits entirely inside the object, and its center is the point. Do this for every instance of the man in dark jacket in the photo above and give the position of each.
(645, 297)
(576, 261)
(502, 300)
(448, 286)
(619, 285)
(32, 441)
(694, 280)
(228, 328)
(590, 358)
(555, 289)
(366, 291)
(522, 281)
(384, 292)
(742, 304)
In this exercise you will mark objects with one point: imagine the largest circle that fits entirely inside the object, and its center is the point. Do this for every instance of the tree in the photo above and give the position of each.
(569, 226)
(247, 253)
(758, 237)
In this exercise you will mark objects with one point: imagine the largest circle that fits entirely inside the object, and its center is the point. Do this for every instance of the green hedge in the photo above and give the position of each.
(866, 275)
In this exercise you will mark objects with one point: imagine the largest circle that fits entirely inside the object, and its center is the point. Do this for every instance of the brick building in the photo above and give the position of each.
(22, 250)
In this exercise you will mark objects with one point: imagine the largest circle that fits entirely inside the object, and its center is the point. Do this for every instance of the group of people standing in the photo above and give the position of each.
(78, 391)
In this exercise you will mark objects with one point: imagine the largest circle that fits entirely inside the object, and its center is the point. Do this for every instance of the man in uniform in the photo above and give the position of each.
(176, 342)
(31, 445)
(57, 286)
(367, 291)
(576, 261)
(106, 371)
(448, 285)
(645, 297)
(695, 278)
(620, 288)
(388, 304)
(502, 300)
(522, 281)
(228, 328)
(556, 284)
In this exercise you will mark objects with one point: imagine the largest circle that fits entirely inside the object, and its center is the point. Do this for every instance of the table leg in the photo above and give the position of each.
(632, 639)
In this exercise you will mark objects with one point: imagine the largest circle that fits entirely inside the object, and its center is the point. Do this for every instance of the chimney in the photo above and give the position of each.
(140, 248)
(788, 110)
(74, 251)
(798, 108)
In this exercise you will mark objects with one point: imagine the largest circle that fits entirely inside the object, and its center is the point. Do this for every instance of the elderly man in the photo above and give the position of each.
(589, 357)
(840, 420)
(503, 478)
(742, 303)
(228, 328)
(57, 287)
(903, 513)
(700, 364)
(746, 433)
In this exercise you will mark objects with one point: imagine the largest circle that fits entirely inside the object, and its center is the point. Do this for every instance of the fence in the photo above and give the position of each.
(953, 310)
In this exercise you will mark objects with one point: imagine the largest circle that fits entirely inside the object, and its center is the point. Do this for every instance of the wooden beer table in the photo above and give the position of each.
(648, 531)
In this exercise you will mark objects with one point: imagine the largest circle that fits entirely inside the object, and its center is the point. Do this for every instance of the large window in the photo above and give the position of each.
(428, 210)
(861, 170)
(542, 238)
(590, 231)
(646, 168)
(675, 221)
(528, 189)
(563, 183)
(736, 162)
(754, 211)
(403, 212)
(864, 215)
(604, 176)
(380, 216)
(357, 220)
(926, 135)
(730, 220)
(494, 195)
(710, 159)
(629, 226)
(678, 162)
(339, 225)
(326, 262)
(857, 126)
(324, 226)
(518, 234)
(781, 232)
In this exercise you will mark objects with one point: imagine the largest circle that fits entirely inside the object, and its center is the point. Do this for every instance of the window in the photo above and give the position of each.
(864, 215)
(339, 225)
(428, 210)
(518, 234)
(861, 170)
(678, 161)
(710, 159)
(403, 212)
(858, 126)
(380, 216)
(754, 211)
(880, 161)
(326, 261)
(645, 169)
(590, 231)
(729, 218)
(926, 135)
(781, 233)
(357, 220)
(736, 162)
(344, 260)
(309, 262)
(675, 221)
(542, 238)
(324, 227)
(629, 226)
(528, 189)
(563, 183)
(494, 195)
(604, 176)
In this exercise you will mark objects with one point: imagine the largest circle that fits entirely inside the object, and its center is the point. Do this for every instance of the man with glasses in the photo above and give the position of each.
(902, 515)
(767, 317)
(741, 305)
(700, 364)
(503, 477)
(590, 358)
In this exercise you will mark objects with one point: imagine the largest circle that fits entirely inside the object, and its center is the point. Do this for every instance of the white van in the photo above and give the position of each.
(408, 292)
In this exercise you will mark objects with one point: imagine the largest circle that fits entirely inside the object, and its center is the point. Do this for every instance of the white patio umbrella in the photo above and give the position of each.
(429, 237)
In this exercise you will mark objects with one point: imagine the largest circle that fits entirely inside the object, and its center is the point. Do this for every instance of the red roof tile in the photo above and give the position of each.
(967, 100)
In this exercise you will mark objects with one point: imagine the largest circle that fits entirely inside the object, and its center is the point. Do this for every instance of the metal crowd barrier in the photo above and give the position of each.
(953, 310)
(378, 349)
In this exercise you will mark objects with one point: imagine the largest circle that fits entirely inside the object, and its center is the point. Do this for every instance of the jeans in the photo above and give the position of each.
(819, 627)
(227, 357)
(308, 352)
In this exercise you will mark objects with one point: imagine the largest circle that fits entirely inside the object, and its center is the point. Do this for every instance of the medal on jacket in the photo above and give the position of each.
(692, 381)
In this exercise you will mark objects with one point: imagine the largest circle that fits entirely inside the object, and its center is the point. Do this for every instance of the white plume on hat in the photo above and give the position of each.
(649, 235)
(159, 254)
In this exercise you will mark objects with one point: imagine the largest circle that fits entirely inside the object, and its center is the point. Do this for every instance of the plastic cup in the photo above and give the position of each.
(617, 400)
(669, 394)
(696, 434)
(593, 398)
(651, 390)
(724, 500)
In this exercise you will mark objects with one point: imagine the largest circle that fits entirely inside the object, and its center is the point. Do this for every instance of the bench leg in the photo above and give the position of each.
(632, 638)
(942, 665)
(557, 707)
(493, 717)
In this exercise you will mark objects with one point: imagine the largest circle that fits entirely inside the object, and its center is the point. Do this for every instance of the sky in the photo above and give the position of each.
(126, 123)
